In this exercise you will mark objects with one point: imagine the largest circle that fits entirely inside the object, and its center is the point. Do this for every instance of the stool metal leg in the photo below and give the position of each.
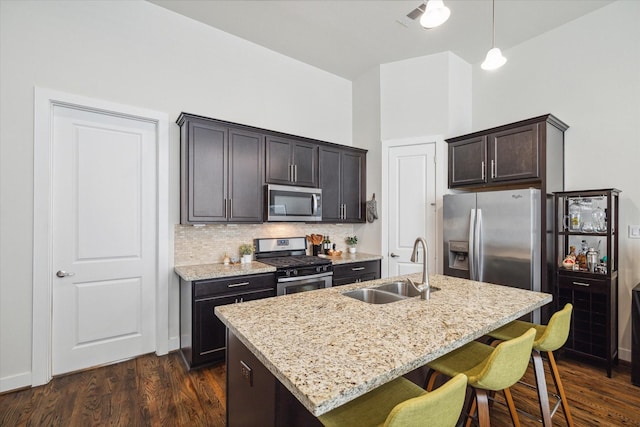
(541, 383)
(563, 397)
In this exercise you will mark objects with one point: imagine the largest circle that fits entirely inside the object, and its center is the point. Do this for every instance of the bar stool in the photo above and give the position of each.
(488, 369)
(401, 403)
(549, 338)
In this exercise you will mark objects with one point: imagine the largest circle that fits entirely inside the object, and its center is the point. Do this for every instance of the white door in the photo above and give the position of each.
(104, 238)
(411, 206)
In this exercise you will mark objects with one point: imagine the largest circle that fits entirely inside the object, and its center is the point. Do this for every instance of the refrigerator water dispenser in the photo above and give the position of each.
(459, 255)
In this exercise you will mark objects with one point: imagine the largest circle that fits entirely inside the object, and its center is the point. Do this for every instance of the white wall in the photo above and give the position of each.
(422, 100)
(587, 73)
(366, 134)
(140, 54)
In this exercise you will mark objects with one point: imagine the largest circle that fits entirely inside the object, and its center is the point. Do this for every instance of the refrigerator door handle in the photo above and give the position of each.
(477, 246)
(472, 254)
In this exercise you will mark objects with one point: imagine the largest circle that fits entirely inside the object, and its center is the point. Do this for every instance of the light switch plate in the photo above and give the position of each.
(634, 231)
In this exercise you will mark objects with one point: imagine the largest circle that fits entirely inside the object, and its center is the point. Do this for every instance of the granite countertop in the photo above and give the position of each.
(347, 258)
(217, 271)
(328, 349)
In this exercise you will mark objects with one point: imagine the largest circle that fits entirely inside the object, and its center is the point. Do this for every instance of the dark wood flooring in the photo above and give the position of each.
(159, 391)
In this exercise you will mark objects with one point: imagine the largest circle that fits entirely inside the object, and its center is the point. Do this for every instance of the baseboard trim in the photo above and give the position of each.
(15, 382)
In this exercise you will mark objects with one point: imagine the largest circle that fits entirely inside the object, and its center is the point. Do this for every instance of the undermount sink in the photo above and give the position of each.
(386, 293)
(374, 296)
(399, 288)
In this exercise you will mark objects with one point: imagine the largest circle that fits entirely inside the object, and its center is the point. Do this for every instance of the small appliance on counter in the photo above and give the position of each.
(295, 270)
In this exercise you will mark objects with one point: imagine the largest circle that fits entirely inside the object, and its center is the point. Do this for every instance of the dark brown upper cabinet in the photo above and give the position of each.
(525, 153)
(291, 162)
(221, 172)
(342, 179)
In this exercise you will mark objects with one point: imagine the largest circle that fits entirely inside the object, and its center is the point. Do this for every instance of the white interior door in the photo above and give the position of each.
(411, 206)
(104, 238)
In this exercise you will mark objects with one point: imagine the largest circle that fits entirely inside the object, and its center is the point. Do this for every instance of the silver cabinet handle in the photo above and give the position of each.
(230, 209)
(235, 285)
(225, 208)
(581, 284)
(357, 268)
(493, 169)
(295, 173)
(62, 273)
(482, 169)
(394, 255)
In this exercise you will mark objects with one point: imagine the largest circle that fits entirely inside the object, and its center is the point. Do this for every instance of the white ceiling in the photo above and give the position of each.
(347, 38)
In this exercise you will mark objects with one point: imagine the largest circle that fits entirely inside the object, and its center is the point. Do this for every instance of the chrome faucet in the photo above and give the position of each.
(422, 287)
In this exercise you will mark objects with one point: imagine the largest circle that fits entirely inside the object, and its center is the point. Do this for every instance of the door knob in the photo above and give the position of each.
(394, 255)
(62, 273)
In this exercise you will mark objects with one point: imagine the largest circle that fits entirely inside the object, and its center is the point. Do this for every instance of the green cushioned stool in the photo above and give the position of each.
(401, 403)
(548, 339)
(488, 369)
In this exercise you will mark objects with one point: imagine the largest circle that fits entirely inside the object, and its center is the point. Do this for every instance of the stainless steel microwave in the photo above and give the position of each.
(286, 203)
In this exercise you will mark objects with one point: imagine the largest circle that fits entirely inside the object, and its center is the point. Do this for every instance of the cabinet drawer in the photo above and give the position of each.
(356, 269)
(587, 284)
(235, 284)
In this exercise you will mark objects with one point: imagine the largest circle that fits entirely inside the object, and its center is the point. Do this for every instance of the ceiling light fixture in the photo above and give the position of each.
(435, 14)
(494, 59)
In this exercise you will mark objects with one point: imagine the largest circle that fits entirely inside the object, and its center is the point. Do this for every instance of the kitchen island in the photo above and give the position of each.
(325, 349)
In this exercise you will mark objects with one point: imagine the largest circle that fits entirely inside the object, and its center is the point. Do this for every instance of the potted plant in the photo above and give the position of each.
(245, 251)
(352, 241)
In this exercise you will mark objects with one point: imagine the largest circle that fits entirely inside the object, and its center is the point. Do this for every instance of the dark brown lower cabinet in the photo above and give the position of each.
(594, 324)
(255, 397)
(202, 334)
(343, 274)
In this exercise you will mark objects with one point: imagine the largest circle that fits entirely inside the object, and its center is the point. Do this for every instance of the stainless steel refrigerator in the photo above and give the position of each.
(495, 237)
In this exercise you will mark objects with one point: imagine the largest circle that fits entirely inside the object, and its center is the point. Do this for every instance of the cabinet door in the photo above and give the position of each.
(245, 176)
(305, 161)
(278, 161)
(353, 186)
(206, 174)
(330, 182)
(514, 154)
(468, 162)
(209, 331)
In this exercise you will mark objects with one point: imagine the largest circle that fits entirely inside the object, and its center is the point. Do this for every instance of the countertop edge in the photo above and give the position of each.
(319, 408)
(220, 271)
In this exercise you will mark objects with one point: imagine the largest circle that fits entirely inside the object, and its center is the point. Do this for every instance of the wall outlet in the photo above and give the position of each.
(634, 231)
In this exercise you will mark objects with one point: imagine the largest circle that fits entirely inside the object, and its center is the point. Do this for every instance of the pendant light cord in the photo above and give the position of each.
(493, 25)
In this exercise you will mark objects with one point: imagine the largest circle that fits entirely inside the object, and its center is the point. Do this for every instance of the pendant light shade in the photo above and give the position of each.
(435, 14)
(494, 58)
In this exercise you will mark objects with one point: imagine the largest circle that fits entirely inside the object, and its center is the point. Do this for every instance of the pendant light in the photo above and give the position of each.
(435, 14)
(494, 59)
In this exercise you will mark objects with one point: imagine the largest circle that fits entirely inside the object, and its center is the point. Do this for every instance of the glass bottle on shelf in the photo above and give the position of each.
(587, 216)
(574, 216)
(599, 220)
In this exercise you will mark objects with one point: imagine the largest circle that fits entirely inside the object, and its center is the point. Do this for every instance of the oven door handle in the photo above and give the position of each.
(309, 277)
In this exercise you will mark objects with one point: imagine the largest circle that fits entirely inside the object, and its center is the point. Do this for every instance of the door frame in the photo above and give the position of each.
(44, 102)
(440, 176)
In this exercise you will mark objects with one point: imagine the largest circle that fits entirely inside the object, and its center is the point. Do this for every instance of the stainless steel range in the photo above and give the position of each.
(295, 270)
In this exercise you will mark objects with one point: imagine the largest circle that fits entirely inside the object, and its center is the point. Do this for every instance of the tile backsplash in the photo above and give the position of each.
(208, 244)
